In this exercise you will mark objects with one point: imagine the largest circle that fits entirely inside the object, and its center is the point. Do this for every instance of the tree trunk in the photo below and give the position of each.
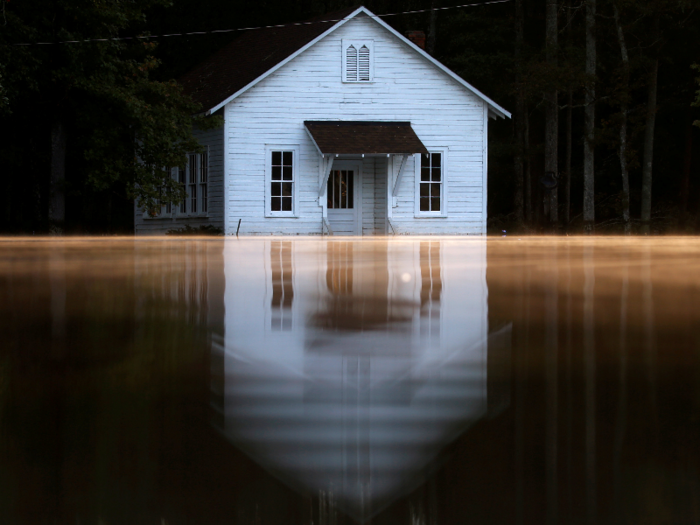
(649, 137)
(622, 150)
(687, 164)
(589, 122)
(519, 165)
(551, 132)
(569, 124)
(528, 170)
(430, 45)
(57, 195)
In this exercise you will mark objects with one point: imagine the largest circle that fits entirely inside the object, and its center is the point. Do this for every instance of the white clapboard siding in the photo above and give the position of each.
(214, 139)
(405, 87)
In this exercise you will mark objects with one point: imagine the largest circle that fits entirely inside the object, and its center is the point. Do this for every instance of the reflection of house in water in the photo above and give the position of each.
(353, 387)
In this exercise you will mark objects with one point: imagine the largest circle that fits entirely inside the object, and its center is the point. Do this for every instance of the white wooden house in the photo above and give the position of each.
(338, 125)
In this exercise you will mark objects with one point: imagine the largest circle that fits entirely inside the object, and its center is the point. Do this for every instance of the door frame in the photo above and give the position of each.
(356, 166)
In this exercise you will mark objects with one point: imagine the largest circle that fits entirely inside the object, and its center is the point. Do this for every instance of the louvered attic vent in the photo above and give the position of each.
(357, 61)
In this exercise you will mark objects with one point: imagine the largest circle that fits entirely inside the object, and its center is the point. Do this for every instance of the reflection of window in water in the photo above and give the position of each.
(431, 289)
(339, 269)
(282, 287)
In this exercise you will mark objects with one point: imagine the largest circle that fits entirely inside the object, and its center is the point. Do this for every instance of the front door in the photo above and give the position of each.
(343, 199)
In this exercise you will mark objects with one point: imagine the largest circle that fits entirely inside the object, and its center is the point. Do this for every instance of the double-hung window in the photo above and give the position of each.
(358, 60)
(281, 181)
(430, 184)
(194, 179)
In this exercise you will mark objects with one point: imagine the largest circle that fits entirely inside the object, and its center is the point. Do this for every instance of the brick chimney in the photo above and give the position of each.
(417, 37)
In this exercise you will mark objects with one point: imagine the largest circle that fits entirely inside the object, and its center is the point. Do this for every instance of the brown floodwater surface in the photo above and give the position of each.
(330, 381)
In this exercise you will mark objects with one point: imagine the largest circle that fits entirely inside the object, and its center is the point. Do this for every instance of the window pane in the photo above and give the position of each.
(424, 173)
(276, 173)
(276, 189)
(287, 170)
(343, 189)
(193, 169)
(286, 189)
(435, 204)
(204, 169)
(424, 189)
(351, 189)
(329, 192)
(424, 204)
(287, 158)
(275, 204)
(436, 159)
(286, 204)
(276, 158)
(336, 189)
(435, 191)
(436, 174)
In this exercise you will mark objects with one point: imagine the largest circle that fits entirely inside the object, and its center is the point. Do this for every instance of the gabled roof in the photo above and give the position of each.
(257, 53)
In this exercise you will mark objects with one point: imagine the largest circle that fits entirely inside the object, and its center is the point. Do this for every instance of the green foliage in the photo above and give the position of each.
(126, 125)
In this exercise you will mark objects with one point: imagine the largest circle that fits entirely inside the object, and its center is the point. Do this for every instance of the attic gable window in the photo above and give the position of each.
(358, 60)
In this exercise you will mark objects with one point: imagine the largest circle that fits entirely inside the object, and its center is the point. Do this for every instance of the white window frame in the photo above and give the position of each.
(178, 213)
(294, 148)
(443, 185)
(358, 45)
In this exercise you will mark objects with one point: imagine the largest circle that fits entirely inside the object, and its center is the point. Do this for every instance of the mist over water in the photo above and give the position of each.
(423, 380)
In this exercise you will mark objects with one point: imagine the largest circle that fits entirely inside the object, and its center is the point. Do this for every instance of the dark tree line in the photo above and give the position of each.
(601, 91)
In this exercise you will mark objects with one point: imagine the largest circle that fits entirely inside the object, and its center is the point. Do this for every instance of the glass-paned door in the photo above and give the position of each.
(342, 197)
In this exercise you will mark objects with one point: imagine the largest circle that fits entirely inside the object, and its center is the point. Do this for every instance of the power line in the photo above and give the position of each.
(216, 31)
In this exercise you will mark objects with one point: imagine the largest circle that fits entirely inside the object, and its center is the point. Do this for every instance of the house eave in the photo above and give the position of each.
(495, 111)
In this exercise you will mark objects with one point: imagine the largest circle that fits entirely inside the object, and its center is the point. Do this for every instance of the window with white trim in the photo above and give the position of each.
(194, 178)
(358, 60)
(281, 181)
(430, 184)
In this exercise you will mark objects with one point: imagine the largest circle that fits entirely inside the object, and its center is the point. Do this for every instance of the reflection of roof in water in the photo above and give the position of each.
(361, 432)
(364, 427)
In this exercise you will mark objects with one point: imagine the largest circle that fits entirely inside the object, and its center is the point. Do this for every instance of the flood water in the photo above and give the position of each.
(318, 381)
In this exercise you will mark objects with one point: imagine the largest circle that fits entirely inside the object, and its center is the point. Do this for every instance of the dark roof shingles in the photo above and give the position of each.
(352, 137)
(250, 55)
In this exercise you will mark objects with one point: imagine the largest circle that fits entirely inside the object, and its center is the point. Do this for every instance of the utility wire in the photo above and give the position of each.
(150, 37)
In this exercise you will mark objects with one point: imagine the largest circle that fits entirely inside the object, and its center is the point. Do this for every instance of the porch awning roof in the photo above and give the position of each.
(364, 137)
